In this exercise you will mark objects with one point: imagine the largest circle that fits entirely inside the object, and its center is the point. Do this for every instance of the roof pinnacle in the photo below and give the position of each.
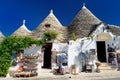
(51, 11)
(24, 22)
(84, 6)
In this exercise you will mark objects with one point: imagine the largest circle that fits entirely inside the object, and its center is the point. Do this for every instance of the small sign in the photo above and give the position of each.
(103, 37)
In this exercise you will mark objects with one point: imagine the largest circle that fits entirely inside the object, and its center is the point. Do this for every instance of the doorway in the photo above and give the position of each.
(101, 51)
(47, 56)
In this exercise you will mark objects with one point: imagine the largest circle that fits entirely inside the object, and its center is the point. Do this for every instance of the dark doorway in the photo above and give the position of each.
(47, 56)
(101, 51)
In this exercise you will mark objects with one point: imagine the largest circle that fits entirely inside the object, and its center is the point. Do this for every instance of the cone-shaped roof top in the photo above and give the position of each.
(22, 31)
(50, 19)
(1, 36)
(50, 23)
(83, 22)
(114, 29)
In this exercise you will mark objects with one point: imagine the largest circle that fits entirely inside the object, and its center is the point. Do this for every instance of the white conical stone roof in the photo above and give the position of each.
(22, 31)
(83, 22)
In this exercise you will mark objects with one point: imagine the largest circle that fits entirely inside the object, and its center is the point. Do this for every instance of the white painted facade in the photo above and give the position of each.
(32, 50)
(74, 48)
(100, 34)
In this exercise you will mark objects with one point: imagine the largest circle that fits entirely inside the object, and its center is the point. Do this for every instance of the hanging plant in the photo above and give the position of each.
(74, 36)
(50, 35)
(91, 36)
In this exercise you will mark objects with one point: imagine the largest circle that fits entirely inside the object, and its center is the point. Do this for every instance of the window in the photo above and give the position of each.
(47, 25)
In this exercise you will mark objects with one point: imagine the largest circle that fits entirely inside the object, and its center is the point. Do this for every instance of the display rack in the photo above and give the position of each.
(29, 67)
(30, 64)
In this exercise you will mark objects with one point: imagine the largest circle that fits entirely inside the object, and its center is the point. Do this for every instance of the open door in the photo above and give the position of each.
(47, 56)
(101, 51)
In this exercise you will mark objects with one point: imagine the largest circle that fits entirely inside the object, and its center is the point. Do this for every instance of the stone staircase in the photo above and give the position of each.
(107, 66)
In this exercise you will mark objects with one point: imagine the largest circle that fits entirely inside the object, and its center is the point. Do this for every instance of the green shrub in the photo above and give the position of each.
(10, 44)
(74, 36)
(49, 35)
(5, 63)
(91, 36)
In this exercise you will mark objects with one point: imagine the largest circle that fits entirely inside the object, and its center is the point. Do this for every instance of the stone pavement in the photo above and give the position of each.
(47, 75)
(103, 75)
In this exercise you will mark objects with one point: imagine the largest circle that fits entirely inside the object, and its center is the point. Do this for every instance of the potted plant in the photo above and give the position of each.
(98, 64)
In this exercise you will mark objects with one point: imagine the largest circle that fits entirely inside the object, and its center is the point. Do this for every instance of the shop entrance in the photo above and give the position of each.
(47, 56)
(101, 51)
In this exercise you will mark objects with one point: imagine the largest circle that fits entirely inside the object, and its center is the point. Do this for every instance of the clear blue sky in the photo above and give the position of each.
(12, 12)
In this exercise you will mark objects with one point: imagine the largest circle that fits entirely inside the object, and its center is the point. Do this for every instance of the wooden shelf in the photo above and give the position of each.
(30, 69)
(34, 65)
(31, 57)
(30, 61)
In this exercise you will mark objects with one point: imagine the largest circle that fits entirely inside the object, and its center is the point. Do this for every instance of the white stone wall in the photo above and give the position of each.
(60, 47)
(117, 43)
(33, 50)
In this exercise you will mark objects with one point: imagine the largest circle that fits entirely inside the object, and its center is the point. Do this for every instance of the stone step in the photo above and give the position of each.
(45, 70)
(106, 66)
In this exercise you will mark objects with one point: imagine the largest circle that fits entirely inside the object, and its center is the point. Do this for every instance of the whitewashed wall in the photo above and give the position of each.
(117, 43)
(60, 47)
(73, 54)
(33, 50)
(74, 47)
